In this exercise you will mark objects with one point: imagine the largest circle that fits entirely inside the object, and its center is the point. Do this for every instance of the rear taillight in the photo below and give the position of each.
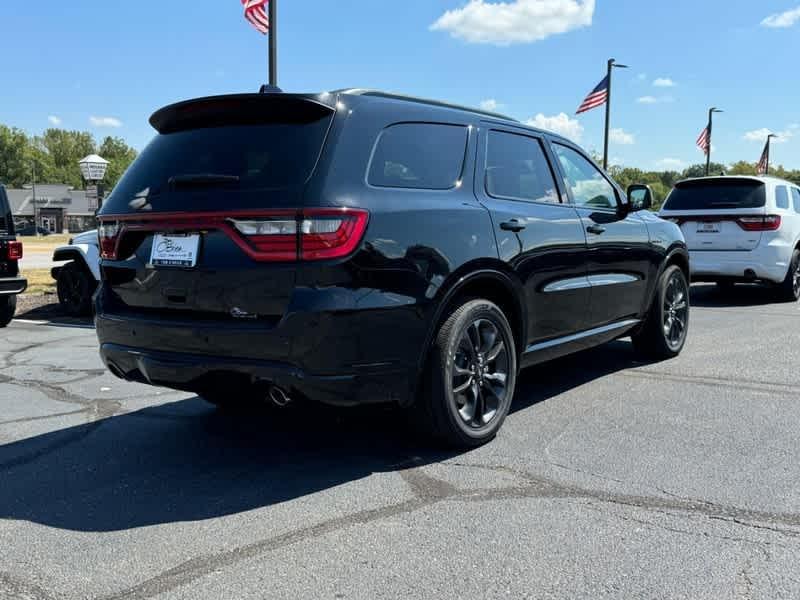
(265, 236)
(313, 234)
(765, 223)
(108, 236)
(14, 250)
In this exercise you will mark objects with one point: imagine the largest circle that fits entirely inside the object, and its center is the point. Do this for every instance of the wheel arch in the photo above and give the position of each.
(486, 281)
(85, 255)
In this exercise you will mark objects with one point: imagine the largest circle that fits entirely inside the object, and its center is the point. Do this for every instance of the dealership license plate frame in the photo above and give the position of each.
(175, 250)
(708, 227)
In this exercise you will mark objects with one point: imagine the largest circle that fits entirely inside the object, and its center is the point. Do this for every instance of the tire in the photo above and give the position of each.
(666, 327)
(75, 286)
(789, 290)
(467, 392)
(8, 306)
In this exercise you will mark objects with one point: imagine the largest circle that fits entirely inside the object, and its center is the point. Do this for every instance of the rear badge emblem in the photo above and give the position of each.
(238, 313)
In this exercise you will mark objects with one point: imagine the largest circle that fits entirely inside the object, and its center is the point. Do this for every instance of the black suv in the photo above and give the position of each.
(358, 247)
(11, 283)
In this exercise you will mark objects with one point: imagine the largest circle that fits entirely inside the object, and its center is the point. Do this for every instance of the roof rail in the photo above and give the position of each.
(394, 96)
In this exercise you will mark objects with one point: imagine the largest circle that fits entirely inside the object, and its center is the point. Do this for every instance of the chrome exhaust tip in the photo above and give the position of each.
(279, 397)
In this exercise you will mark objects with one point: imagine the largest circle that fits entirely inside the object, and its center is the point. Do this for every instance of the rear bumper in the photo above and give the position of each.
(767, 263)
(195, 358)
(12, 286)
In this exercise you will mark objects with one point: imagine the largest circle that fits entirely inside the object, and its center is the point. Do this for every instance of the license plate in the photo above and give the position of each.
(708, 228)
(175, 250)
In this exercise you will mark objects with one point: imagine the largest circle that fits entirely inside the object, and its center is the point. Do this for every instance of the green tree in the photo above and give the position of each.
(65, 149)
(119, 155)
(15, 166)
(700, 170)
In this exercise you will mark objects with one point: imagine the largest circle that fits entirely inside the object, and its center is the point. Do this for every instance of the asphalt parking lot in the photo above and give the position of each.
(612, 478)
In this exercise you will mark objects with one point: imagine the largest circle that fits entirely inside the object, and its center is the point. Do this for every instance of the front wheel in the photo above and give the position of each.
(75, 286)
(470, 376)
(8, 306)
(667, 325)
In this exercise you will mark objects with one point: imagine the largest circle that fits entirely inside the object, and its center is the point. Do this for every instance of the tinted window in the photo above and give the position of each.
(782, 197)
(516, 168)
(419, 155)
(796, 199)
(258, 157)
(589, 187)
(6, 219)
(717, 194)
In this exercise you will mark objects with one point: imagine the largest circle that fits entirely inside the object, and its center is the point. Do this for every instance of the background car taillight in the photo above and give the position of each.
(314, 234)
(765, 223)
(14, 250)
(108, 235)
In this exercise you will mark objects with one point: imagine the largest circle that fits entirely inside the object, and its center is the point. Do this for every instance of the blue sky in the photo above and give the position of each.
(105, 66)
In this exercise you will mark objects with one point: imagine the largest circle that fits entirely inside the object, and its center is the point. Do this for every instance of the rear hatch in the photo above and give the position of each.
(204, 224)
(719, 213)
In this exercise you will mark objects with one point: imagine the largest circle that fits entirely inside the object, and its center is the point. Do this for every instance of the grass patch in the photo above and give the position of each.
(39, 281)
(45, 243)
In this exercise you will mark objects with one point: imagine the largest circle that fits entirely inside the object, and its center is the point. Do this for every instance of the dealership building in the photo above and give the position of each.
(55, 208)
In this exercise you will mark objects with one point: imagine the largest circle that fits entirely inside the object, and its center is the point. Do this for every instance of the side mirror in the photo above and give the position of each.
(640, 197)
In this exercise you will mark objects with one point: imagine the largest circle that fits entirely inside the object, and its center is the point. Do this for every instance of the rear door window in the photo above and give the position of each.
(782, 197)
(796, 199)
(419, 156)
(717, 194)
(517, 169)
(6, 218)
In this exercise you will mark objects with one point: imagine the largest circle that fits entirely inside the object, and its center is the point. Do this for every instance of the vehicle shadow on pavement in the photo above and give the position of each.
(185, 461)
(709, 296)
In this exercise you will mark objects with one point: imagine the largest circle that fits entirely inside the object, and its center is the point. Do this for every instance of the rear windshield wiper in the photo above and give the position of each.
(201, 180)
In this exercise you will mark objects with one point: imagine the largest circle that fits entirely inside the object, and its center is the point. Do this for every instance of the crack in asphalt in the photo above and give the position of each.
(11, 587)
(429, 491)
(739, 384)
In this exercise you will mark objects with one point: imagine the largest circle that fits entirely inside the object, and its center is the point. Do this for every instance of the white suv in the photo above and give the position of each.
(740, 229)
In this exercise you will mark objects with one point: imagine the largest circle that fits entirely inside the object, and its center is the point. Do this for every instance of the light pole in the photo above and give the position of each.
(711, 112)
(93, 169)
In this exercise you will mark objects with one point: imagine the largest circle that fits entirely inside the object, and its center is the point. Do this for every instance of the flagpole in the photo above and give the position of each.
(711, 112)
(611, 65)
(273, 43)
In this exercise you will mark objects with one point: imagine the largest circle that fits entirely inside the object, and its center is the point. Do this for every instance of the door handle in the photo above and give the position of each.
(596, 229)
(512, 225)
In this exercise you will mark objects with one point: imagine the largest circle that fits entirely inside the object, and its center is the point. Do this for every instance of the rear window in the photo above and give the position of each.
(717, 194)
(235, 158)
(419, 156)
(782, 197)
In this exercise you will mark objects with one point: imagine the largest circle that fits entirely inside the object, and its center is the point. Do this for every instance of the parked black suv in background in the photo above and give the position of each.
(357, 247)
(11, 283)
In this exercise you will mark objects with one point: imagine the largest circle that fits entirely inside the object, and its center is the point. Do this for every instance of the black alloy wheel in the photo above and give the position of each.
(470, 376)
(666, 327)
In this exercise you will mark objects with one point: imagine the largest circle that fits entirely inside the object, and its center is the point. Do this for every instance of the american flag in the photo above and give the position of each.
(255, 11)
(597, 97)
(762, 165)
(702, 141)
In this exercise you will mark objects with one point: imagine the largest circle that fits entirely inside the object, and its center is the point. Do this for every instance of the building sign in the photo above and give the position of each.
(50, 200)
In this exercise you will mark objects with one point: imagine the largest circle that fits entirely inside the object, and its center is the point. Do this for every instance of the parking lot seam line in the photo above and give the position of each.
(44, 417)
(757, 386)
(537, 487)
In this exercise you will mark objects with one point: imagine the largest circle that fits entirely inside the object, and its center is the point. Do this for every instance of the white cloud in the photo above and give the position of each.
(516, 21)
(760, 135)
(561, 124)
(664, 82)
(655, 99)
(54, 120)
(620, 136)
(670, 164)
(784, 19)
(105, 121)
(491, 104)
